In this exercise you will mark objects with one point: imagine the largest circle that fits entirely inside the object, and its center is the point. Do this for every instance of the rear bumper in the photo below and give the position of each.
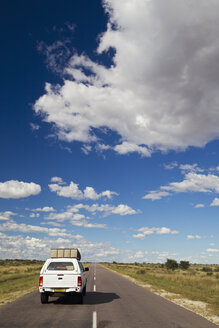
(54, 292)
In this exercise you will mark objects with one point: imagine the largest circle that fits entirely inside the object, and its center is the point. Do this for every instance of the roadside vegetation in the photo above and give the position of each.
(194, 282)
(18, 278)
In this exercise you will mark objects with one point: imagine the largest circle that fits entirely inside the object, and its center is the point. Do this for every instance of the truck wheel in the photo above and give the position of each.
(84, 291)
(80, 299)
(44, 298)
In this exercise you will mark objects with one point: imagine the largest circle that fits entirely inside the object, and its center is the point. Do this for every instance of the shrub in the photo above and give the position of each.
(184, 265)
(209, 273)
(171, 264)
(207, 269)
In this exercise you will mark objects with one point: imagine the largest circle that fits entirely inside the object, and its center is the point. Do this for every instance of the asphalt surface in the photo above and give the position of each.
(111, 302)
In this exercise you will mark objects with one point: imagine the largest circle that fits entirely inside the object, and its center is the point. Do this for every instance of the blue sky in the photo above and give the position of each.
(109, 129)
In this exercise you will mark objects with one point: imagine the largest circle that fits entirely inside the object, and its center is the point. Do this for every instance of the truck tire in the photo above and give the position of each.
(44, 298)
(84, 290)
(80, 298)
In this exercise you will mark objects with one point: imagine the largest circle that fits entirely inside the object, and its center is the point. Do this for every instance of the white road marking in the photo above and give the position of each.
(94, 278)
(94, 319)
(94, 288)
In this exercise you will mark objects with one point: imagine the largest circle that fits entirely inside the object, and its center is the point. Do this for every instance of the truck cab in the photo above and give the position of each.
(62, 276)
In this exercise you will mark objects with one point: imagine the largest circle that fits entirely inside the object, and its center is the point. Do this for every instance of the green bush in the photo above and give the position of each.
(171, 264)
(184, 265)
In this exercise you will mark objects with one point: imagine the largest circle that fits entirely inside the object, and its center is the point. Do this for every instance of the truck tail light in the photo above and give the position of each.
(41, 282)
(79, 281)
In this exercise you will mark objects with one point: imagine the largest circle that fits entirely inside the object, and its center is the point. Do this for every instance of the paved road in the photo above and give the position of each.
(111, 302)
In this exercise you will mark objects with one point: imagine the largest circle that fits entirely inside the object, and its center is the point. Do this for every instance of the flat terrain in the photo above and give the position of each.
(112, 302)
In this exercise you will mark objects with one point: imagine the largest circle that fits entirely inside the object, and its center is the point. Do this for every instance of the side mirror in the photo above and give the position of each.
(86, 269)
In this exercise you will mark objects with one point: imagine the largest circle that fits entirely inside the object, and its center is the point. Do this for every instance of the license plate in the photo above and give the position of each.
(59, 290)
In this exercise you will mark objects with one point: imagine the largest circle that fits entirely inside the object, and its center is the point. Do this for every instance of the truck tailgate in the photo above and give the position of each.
(58, 280)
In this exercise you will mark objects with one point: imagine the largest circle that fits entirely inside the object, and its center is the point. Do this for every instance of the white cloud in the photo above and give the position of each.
(195, 182)
(128, 147)
(194, 237)
(212, 250)
(190, 167)
(121, 209)
(30, 247)
(27, 228)
(18, 189)
(192, 182)
(58, 180)
(44, 209)
(168, 51)
(6, 216)
(72, 191)
(34, 215)
(199, 205)
(86, 149)
(102, 147)
(145, 231)
(78, 219)
(171, 165)
(215, 202)
(155, 195)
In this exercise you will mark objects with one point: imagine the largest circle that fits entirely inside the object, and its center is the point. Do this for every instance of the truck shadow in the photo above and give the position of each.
(91, 298)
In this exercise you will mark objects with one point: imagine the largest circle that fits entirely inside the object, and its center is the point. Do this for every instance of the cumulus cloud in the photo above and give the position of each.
(161, 91)
(128, 147)
(73, 191)
(18, 189)
(145, 231)
(215, 202)
(192, 182)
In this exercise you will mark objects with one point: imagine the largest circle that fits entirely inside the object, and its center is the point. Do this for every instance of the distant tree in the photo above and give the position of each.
(184, 265)
(171, 264)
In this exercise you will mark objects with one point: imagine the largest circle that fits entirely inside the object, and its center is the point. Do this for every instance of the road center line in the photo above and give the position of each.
(94, 288)
(94, 278)
(94, 319)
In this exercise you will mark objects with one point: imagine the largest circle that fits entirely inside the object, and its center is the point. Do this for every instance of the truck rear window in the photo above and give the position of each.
(67, 266)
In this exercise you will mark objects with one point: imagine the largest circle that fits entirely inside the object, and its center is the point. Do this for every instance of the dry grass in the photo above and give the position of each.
(18, 278)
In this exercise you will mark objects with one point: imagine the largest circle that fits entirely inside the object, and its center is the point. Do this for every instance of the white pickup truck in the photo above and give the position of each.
(62, 276)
